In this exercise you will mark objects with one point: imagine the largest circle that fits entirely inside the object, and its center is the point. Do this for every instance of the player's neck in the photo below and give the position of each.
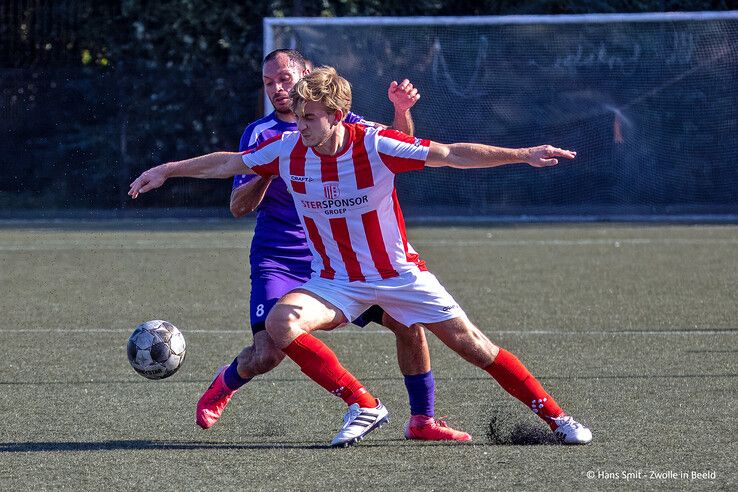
(335, 142)
(287, 117)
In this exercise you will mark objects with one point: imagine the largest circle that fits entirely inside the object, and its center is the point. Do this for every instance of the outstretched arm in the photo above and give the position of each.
(248, 196)
(403, 96)
(470, 155)
(215, 165)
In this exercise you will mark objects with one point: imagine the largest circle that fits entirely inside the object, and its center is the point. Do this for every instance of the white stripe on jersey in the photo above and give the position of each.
(258, 129)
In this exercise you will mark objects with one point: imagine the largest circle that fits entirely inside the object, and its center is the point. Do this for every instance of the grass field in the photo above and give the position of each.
(634, 329)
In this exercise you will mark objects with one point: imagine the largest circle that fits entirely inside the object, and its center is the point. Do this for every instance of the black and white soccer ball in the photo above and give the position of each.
(156, 349)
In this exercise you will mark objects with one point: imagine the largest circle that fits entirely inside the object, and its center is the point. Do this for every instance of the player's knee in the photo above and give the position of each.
(281, 320)
(409, 334)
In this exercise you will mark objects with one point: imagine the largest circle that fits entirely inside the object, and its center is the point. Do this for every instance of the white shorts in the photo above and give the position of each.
(413, 297)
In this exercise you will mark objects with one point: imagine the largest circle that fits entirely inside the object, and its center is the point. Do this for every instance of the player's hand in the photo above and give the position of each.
(149, 180)
(546, 155)
(403, 95)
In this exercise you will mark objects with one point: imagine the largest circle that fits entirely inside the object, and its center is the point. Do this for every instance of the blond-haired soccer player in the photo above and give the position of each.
(281, 261)
(342, 181)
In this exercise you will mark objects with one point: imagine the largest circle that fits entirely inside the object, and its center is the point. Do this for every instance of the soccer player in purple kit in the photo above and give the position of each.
(281, 261)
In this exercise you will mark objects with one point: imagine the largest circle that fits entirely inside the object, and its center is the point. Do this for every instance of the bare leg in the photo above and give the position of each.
(289, 323)
(471, 344)
(461, 336)
(413, 356)
(259, 358)
(300, 312)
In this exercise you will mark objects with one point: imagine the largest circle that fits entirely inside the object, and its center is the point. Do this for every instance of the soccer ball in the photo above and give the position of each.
(156, 349)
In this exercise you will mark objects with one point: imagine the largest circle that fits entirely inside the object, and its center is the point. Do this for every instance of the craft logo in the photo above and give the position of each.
(330, 190)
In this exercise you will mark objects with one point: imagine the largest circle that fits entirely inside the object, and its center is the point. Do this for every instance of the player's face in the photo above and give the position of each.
(315, 122)
(279, 75)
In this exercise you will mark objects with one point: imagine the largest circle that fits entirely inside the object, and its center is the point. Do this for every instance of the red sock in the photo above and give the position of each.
(321, 365)
(519, 382)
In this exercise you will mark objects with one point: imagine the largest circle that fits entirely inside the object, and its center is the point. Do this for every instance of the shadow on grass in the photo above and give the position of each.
(504, 432)
(205, 382)
(37, 447)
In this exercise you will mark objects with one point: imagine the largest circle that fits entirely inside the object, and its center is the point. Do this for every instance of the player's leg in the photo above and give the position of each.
(422, 299)
(267, 287)
(290, 324)
(413, 357)
(469, 342)
(260, 357)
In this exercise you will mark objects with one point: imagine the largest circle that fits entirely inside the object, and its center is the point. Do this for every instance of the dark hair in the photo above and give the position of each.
(293, 55)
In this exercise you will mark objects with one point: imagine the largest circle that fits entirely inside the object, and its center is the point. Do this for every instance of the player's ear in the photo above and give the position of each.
(338, 116)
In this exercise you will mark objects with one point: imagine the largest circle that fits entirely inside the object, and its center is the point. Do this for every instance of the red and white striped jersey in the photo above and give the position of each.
(347, 202)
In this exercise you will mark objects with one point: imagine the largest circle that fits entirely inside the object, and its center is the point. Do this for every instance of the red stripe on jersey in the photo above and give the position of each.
(297, 166)
(340, 231)
(268, 170)
(298, 187)
(262, 144)
(268, 141)
(410, 257)
(397, 135)
(328, 168)
(362, 166)
(404, 137)
(401, 164)
(376, 245)
(317, 241)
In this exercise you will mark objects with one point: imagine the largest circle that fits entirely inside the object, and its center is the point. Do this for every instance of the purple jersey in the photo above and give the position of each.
(279, 241)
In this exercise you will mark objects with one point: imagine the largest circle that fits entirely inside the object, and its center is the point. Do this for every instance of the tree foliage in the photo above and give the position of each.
(92, 92)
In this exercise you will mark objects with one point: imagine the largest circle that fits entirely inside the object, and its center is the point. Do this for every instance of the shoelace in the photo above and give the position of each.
(350, 415)
(440, 422)
(567, 421)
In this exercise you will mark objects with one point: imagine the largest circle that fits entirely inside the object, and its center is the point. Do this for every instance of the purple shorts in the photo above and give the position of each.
(268, 286)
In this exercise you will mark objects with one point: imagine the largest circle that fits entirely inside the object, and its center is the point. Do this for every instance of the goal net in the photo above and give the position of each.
(649, 102)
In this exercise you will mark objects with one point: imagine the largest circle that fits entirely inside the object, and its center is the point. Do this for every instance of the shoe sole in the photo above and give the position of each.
(356, 439)
(576, 443)
(437, 440)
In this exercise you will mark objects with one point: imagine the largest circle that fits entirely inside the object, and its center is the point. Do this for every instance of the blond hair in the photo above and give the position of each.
(322, 85)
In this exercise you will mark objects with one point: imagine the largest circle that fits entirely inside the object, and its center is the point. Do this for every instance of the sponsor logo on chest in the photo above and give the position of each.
(331, 191)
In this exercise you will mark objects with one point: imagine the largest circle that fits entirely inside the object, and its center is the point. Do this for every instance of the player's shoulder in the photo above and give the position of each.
(278, 140)
(290, 137)
(389, 133)
(254, 129)
(352, 117)
(397, 143)
(267, 121)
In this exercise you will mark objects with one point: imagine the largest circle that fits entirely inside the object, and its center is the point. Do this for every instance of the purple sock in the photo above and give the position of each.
(420, 389)
(231, 377)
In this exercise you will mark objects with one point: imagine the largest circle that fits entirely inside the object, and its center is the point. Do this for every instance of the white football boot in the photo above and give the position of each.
(358, 422)
(569, 431)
